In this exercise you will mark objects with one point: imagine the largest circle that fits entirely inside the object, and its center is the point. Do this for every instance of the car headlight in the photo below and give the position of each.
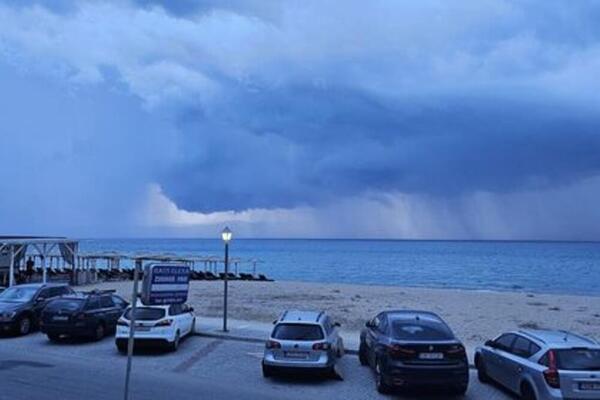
(8, 315)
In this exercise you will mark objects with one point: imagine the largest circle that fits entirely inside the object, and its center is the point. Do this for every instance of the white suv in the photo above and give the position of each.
(304, 340)
(156, 326)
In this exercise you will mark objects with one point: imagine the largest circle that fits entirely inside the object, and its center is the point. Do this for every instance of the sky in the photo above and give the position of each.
(386, 119)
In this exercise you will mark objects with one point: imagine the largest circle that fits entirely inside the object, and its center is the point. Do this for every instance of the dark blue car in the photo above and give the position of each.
(412, 349)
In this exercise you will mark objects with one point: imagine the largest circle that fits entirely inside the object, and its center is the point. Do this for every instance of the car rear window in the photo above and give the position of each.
(578, 359)
(146, 313)
(403, 330)
(65, 304)
(298, 332)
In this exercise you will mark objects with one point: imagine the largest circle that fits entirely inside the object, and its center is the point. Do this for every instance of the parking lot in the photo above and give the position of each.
(33, 367)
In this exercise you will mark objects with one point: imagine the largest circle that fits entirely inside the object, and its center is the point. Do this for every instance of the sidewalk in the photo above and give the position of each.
(256, 332)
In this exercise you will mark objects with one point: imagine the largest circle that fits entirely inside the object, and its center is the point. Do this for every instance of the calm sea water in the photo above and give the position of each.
(550, 267)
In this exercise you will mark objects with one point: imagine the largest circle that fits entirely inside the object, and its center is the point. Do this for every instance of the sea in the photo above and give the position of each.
(537, 267)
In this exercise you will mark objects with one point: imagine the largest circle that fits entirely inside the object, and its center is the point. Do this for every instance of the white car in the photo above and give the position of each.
(156, 326)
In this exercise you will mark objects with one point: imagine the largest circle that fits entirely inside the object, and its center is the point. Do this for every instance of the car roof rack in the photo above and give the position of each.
(319, 316)
(98, 291)
(531, 335)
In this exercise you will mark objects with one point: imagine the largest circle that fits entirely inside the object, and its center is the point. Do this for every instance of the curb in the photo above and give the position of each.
(248, 339)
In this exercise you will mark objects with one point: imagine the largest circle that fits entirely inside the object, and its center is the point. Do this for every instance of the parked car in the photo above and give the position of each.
(303, 339)
(21, 305)
(542, 364)
(156, 326)
(413, 348)
(84, 314)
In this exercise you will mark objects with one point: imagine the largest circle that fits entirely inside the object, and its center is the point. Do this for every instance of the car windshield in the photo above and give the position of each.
(146, 313)
(404, 330)
(65, 305)
(18, 294)
(298, 332)
(578, 359)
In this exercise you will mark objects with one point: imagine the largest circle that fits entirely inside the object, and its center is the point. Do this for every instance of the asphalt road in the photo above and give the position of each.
(33, 368)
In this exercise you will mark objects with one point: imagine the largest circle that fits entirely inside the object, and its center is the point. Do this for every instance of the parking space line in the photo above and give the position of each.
(197, 356)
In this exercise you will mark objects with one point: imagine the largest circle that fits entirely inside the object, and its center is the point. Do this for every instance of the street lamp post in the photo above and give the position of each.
(226, 236)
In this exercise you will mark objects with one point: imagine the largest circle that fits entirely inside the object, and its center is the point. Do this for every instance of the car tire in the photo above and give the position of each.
(362, 355)
(99, 332)
(527, 392)
(460, 389)
(267, 371)
(24, 326)
(122, 348)
(175, 344)
(340, 349)
(380, 384)
(481, 370)
(53, 338)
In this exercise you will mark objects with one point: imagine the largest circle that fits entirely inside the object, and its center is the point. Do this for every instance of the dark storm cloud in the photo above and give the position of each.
(306, 103)
(307, 146)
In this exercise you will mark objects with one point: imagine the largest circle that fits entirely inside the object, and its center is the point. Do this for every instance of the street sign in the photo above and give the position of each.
(165, 284)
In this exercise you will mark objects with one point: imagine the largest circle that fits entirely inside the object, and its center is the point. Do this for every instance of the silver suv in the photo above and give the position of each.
(542, 364)
(303, 339)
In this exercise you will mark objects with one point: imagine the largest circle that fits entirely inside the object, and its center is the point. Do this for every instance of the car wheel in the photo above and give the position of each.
(527, 392)
(382, 386)
(175, 344)
(340, 349)
(122, 348)
(24, 326)
(362, 355)
(460, 390)
(267, 371)
(481, 371)
(53, 338)
(99, 332)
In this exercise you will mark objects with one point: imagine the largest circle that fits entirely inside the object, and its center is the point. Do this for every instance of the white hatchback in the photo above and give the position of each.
(156, 326)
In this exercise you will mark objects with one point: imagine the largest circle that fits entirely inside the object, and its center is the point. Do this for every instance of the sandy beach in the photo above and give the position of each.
(473, 315)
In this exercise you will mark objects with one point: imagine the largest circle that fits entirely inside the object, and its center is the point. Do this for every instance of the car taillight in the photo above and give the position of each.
(122, 322)
(551, 374)
(321, 346)
(271, 344)
(457, 351)
(165, 322)
(397, 351)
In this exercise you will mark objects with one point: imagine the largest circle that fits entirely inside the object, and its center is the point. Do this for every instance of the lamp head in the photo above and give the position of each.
(226, 235)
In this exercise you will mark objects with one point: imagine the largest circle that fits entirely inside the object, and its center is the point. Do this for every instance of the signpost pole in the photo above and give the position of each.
(134, 295)
(225, 280)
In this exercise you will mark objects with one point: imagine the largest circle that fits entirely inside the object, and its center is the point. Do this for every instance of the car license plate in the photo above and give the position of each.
(142, 328)
(431, 356)
(589, 386)
(60, 318)
(296, 354)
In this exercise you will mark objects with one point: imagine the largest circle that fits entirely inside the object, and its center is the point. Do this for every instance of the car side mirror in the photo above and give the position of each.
(369, 324)
(490, 343)
(274, 322)
(337, 324)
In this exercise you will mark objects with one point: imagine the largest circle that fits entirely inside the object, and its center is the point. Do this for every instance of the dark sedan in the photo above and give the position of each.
(21, 305)
(412, 349)
(88, 314)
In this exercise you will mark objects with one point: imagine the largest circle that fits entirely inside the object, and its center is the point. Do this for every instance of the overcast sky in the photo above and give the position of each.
(392, 119)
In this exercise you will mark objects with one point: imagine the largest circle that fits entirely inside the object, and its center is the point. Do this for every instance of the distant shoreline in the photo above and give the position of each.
(355, 239)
